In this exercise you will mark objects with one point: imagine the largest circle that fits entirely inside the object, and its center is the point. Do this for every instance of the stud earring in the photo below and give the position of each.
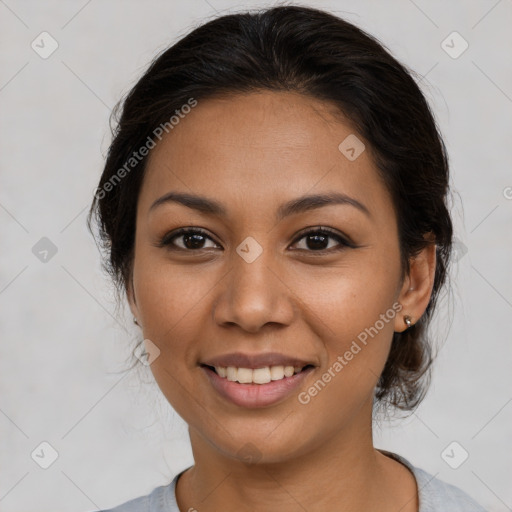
(135, 321)
(407, 320)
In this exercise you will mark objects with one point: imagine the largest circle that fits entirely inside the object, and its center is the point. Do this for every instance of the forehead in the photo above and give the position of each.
(258, 146)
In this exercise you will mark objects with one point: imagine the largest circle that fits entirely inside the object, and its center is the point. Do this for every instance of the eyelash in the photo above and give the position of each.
(167, 239)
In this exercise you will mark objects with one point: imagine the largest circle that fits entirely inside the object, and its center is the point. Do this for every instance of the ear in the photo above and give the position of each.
(417, 287)
(130, 295)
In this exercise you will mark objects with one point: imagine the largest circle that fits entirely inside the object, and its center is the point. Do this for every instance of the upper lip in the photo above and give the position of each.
(253, 361)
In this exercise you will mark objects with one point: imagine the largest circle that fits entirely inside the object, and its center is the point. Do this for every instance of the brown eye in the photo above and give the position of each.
(318, 240)
(190, 239)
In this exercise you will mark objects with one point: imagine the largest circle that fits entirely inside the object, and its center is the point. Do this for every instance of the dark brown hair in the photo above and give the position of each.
(311, 52)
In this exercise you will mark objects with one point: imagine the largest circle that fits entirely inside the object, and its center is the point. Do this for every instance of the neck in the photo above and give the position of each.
(341, 473)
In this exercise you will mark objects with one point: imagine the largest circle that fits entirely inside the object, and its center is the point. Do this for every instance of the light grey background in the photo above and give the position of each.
(61, 341)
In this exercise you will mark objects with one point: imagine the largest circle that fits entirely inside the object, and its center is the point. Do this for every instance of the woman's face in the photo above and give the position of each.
(263, 278)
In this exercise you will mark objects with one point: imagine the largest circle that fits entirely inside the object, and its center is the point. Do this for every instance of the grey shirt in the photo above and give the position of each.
(434, 495)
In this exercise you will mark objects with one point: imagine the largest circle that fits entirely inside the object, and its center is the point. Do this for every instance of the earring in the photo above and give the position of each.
(135, 321)
(407, 320)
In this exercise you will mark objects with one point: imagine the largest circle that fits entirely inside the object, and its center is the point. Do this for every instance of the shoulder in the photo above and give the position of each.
(160, 499)
(434, 495)
(438, 496)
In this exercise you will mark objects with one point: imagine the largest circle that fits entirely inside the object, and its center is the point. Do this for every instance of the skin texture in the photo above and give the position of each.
(252, 153)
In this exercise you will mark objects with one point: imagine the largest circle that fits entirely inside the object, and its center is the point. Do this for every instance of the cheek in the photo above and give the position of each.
(353, 310)
(355, 326)
(167, 294)
(351, 297)
(172, 304)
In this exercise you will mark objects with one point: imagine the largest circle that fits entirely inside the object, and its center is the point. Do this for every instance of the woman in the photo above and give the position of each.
(273, 205)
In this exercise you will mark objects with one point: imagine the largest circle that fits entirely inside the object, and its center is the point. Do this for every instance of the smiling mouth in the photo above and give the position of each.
(262, 375)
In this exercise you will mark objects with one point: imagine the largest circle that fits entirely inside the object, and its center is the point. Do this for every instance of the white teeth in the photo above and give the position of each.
(289, 371)
(277, 372)
(244, 375)
(257, 376)
(231, 373)
(221, 371)
(261, 375)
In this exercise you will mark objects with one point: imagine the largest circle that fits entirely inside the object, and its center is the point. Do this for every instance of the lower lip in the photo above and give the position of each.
(256, 395)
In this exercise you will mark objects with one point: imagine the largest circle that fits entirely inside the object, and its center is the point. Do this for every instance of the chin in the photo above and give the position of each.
(262, 448)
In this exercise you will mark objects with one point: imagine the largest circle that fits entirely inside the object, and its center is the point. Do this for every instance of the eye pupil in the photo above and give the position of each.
(318, 241)
(197, 241)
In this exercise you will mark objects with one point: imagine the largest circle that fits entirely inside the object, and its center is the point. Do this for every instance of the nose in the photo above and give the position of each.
(253, 295)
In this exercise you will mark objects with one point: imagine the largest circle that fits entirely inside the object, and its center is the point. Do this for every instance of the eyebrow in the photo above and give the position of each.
(295, 206)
